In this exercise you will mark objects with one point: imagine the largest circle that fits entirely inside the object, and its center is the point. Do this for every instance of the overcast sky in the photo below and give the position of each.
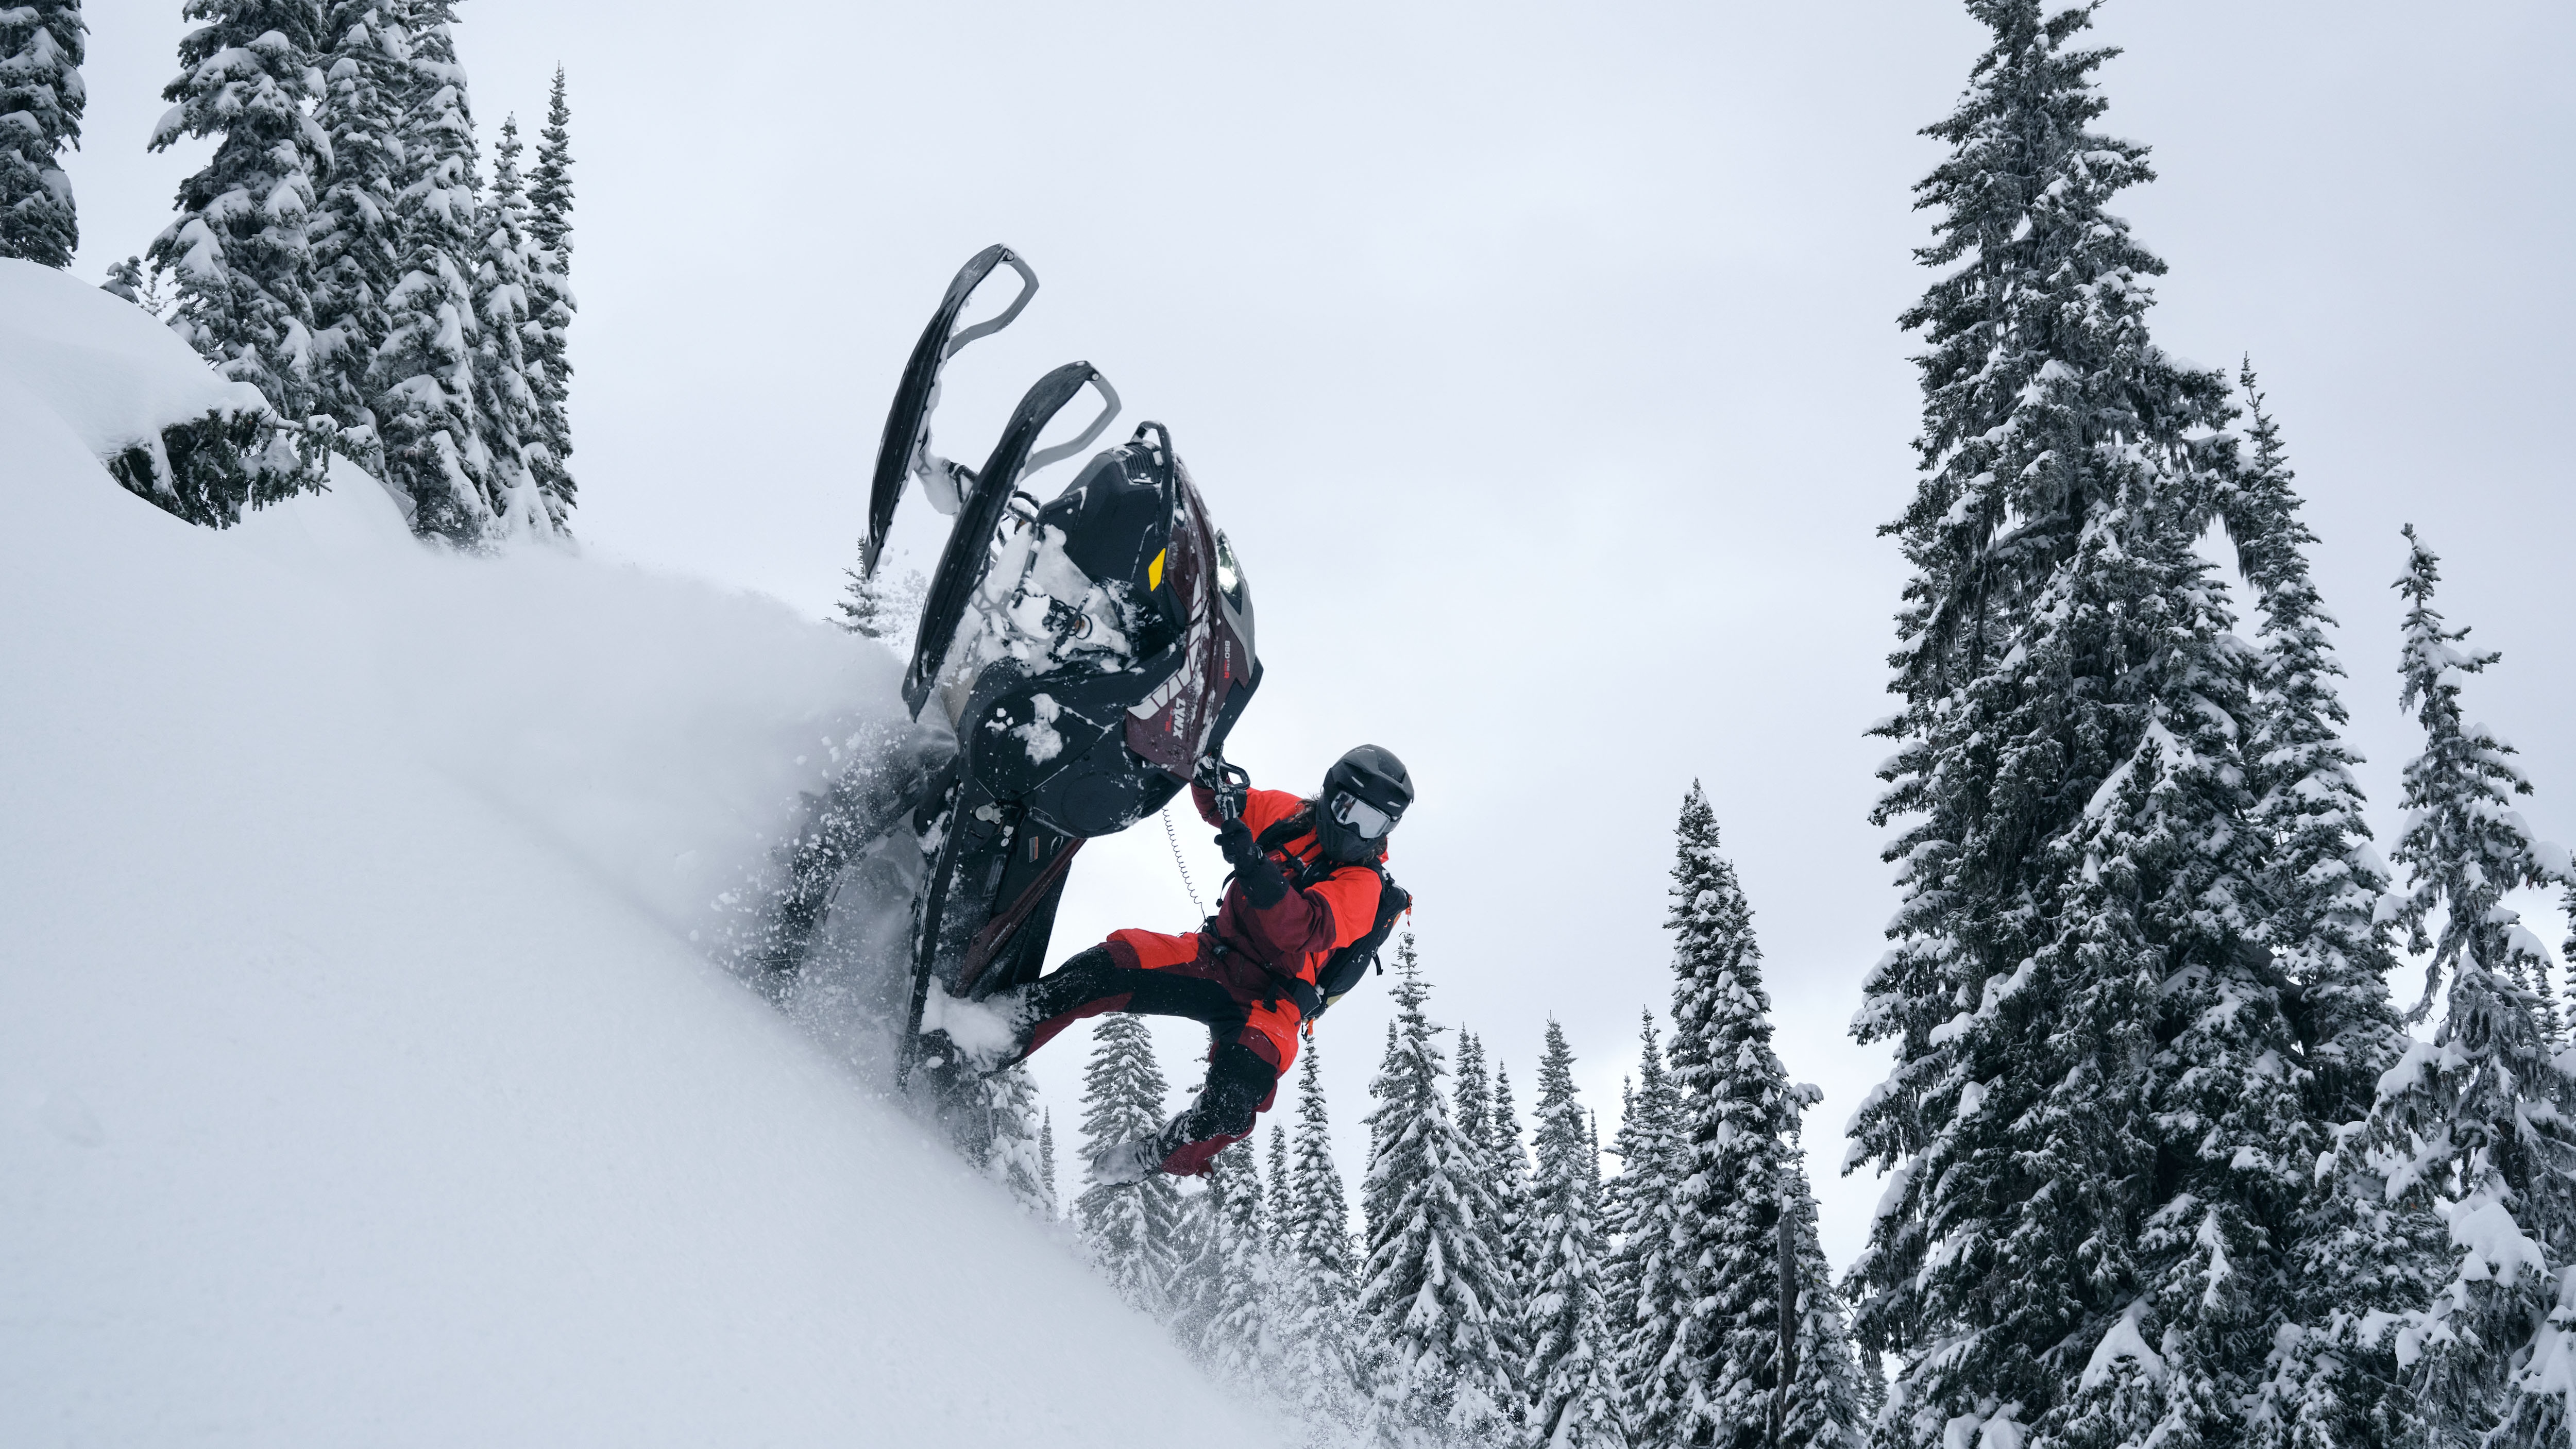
(1541, 362)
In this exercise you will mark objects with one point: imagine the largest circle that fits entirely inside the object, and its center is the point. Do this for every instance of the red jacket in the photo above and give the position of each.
(1295, 935)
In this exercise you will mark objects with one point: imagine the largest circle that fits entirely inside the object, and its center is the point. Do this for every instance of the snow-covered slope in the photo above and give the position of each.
(358, 1081)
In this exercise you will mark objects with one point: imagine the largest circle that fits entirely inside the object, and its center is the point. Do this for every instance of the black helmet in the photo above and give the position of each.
(1365, 794)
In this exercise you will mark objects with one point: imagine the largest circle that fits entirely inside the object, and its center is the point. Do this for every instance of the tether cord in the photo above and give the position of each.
(1175, 838)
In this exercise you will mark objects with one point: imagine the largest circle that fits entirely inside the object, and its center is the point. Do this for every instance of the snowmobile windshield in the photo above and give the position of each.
(1370, 822)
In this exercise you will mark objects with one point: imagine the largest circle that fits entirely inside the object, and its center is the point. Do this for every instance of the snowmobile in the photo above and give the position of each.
(1077, 662)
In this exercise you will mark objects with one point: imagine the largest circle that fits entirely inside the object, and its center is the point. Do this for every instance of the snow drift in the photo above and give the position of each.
(359, 1082)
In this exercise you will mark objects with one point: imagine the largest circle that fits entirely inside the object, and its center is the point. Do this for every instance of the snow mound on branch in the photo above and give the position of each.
(106, 368)
(359, 1081)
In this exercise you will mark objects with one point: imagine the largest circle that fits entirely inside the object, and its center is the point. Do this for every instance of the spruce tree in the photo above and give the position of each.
(1829, 1404)
(550, 304)
(2359, 1257)
(1710, 1346)
(1569, 1371)
(508, 419)
(1046, 1162)
(41, 100)
(1508, 1170)
(2089, 1123)
(125, 280)
(356, 236)
(1242, 1341)
(1320, 1359)
(427, 412)
(2483, 1119)
(1430, 1283)
(1473, 1095)
(1636, 1213)
(1130, 1228)
(239, 250)
(1014, 1152)
(1274, 1185)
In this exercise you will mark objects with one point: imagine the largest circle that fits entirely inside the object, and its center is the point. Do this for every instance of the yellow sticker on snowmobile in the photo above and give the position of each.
(1154, 572)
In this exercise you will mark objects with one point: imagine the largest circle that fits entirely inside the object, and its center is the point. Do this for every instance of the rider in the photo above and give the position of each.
(1307, 880)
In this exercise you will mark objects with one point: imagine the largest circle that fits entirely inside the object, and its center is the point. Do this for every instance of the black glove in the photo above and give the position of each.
(1234, 841)
(1262, 883)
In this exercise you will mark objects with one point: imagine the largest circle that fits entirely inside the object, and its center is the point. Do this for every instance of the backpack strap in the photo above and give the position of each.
(1343, 969)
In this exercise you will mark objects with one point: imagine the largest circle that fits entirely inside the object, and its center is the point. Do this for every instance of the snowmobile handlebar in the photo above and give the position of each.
(1230, 784)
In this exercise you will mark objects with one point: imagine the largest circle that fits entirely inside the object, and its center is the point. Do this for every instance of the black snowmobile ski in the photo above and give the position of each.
(904, 450)
(1066, 699)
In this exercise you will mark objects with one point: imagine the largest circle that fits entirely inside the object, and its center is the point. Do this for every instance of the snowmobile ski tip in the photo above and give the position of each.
(904, 450)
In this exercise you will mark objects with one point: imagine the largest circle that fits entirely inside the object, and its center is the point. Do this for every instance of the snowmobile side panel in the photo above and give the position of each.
(904, 449)
(970, 539)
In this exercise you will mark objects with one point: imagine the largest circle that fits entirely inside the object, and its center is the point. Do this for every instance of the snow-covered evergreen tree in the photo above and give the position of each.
(1473, 1099)
(1829, 1403)
(883, 606)
(125, 279)
(427, 412)
(1242, 1343)
(1320, 1362)
(1507, 1168)
(1014, 1152)
(356, 237)
(1130, 1228)
(2482, 1119)
(2357, 1258)
(1637, 1212)
(1191, 1293)
(1430, 1283)
(1569, 1371)
(1709, 1344)
(1274, 1185)
(509, 419)
(2095, 1147)
(1046, 1161)
(41, 100)
(239, 250)
(550, 304)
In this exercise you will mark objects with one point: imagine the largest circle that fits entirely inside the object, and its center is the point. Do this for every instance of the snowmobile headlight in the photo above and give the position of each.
(1229, 576)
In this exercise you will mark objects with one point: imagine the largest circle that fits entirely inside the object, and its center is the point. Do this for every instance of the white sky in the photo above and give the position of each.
(1541, 362)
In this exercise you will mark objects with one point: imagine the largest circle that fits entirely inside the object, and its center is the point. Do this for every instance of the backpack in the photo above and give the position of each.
(1343, 969)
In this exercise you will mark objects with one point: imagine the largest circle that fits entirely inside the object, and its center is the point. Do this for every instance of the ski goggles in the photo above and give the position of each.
(1367, 820)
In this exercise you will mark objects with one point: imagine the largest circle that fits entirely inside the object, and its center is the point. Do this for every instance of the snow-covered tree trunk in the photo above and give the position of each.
(41, 101)
(1130, 1228)
(240, 250)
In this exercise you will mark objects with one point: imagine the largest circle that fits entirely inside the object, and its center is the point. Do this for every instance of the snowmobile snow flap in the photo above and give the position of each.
(1075, 663)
